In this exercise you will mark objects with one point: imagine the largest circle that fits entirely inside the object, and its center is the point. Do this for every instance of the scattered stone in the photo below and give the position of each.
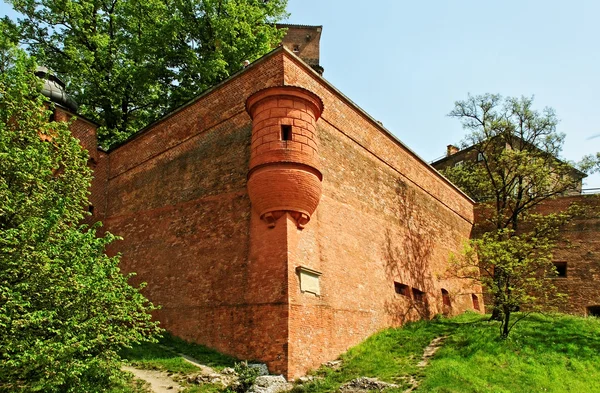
(364, 384)
(306, 379)
(334, 364)
(261, 367)
(430, 350)
(270, 384)
(228, 371)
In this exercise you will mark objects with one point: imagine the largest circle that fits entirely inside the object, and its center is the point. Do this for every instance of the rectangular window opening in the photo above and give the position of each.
(286, 132)
(401, 289)
(418, 295)
(561, 269)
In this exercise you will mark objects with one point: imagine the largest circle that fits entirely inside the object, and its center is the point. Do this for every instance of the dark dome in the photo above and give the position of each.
(54, 89)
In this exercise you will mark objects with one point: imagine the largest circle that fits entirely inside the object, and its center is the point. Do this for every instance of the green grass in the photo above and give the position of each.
(543, 354)
(204, 355)
(164, 356)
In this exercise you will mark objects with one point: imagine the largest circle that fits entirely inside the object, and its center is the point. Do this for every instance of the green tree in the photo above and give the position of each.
(65, 308)
(515, 167)
(127, 63)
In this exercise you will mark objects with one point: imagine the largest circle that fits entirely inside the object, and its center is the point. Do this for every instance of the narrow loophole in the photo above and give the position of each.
(286, 132)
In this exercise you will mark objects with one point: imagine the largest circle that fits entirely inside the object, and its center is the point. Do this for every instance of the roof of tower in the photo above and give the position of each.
(284, 25)
(54, 89)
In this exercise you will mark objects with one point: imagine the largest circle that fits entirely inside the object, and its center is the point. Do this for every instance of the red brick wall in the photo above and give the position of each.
(177, 194)
(306, 39)
(384, 216)
(579, 247)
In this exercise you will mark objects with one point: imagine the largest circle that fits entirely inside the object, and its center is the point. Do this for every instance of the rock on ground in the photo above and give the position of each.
(270, 384)
(364, 384)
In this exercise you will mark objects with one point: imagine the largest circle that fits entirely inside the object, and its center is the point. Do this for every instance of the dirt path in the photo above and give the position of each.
(428, 352)
(159, 381)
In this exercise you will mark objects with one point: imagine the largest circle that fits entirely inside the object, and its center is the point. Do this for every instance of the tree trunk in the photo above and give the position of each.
(505, 322)
(496, 315)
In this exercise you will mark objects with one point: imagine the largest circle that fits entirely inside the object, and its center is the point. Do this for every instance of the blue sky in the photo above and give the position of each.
(406, 63)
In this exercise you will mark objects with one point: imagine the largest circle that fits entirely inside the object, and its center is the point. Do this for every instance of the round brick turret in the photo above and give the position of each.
(284, 173)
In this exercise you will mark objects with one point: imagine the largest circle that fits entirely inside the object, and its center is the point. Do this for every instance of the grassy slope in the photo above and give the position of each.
(542, 354)
(157, 357)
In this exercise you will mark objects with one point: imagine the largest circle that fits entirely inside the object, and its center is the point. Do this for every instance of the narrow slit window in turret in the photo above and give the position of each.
(286, 132)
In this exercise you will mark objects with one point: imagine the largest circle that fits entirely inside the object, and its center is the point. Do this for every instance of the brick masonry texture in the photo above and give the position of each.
(305, 40)
(284, 171)
(384, 217)
(178, 195)
(579, 247)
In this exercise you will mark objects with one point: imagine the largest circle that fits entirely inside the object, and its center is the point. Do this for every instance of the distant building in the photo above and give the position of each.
(577, 256)
(476, 154)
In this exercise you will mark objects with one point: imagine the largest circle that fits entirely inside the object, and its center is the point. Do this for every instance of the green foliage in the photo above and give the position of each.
(512, 165)
(127, 63)
(65, 308)
(247, 376)
(556, 353)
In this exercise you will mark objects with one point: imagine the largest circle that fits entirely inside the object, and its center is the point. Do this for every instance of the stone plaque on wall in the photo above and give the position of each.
(309, 280)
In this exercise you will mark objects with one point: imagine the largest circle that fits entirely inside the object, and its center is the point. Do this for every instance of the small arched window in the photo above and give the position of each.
(475, 301)
(446, 298)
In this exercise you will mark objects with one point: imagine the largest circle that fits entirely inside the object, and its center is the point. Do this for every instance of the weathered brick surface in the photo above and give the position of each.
(579, 247)
(372, 228)
(177, 193)
(85, 131)
(284, 173)
(304, 42)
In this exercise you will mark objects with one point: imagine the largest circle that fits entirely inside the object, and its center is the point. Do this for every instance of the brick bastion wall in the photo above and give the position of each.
(282, 284)
(385, 218)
